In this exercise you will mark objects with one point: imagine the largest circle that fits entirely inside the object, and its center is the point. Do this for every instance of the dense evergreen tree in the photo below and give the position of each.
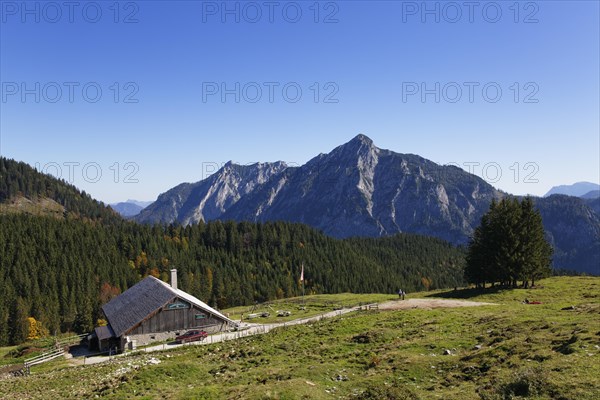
(509, 245)
(60, 268)
(536, 249)
(61, 271)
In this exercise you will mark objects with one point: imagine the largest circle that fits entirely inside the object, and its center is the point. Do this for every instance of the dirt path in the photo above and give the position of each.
(249, 329)
(428, 304)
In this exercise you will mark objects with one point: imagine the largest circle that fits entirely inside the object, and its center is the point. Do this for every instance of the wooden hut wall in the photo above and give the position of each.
(173, 319)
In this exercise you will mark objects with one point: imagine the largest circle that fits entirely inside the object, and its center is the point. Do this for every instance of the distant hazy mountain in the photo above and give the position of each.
(142, 204)
(126, 209)
(577, 189)
(130, 208)
(360, 190)
(594, 194)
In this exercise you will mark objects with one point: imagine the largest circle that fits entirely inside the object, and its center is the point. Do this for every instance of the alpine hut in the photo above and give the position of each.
(153, 310)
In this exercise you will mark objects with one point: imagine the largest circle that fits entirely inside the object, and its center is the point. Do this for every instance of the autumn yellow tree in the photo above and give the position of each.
(35, 329)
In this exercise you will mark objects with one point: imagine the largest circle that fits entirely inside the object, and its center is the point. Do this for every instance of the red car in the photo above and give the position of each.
(191, 336)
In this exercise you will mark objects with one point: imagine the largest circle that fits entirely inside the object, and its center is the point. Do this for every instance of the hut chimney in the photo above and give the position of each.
(174, 278)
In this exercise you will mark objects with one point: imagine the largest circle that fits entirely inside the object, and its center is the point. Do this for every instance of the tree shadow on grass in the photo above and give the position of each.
(467, 293)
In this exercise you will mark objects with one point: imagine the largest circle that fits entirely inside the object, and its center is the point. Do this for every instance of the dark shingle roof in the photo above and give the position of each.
(104, 332)
(136, 303)
(144, 298)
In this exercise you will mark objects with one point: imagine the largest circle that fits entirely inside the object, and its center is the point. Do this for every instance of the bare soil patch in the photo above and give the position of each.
(429, 304)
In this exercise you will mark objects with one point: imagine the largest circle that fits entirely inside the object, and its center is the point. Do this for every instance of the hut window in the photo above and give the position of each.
(199, 316)
(177, 305)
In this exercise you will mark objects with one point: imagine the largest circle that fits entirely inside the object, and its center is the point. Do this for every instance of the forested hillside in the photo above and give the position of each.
(420, 258)
(18, 179)
(60, 271)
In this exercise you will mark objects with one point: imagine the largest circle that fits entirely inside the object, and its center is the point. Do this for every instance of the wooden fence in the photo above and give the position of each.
(58, 349)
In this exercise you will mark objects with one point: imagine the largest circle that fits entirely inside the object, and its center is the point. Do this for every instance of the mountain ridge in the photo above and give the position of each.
(592, 194)
(306, 188)
(214, 194)
(126, 209)
(356, 177)
(577, 189)
(358, 189)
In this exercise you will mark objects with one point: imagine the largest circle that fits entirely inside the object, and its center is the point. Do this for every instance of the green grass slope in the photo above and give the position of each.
(506, 351)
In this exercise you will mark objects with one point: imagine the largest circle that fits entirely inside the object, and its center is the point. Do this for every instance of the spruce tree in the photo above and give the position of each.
(536, 251)
(509, 245)
(479, 256)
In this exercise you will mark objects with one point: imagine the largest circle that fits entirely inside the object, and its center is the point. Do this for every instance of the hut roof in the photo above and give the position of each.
(104, 332)
(134, 305)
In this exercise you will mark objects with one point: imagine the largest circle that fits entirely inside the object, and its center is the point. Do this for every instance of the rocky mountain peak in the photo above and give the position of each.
(360, 143)
(358, 189)
(363, 139)
(359, 151)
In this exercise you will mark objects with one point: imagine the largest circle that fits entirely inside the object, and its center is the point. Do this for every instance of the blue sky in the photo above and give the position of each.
(361, 67)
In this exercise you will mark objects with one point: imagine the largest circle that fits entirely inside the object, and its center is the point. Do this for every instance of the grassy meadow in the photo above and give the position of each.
(509, 350)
